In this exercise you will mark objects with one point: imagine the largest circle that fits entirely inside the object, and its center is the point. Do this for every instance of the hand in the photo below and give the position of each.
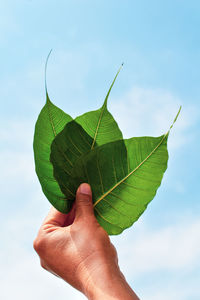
(76, 248)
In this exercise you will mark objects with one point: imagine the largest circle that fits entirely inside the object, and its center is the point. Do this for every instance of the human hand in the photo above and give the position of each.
(76, 248)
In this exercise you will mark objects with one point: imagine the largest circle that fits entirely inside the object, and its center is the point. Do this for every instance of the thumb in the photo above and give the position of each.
(84, 205)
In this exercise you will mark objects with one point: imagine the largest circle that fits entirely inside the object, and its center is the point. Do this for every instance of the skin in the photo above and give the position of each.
(76, 248)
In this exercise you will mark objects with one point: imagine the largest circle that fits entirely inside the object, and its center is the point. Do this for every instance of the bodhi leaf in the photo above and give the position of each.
(124, 175)
(50, 122)
(66, 149)
(100, 124)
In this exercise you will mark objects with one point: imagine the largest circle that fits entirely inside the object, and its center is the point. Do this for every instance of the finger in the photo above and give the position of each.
(55, 217)
(70, 216)
(84, 205)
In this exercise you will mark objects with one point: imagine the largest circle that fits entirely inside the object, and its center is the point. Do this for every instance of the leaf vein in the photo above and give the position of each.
(101, 182)
(50, 116)
(106, 219)
(115, 208)
(64, 155)
(69, 137)
(114, 170)
(129, 174)
(84, 137)
(120, 198)
(135, 188)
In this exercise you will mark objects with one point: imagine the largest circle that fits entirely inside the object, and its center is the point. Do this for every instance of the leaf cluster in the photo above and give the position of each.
(124, 174)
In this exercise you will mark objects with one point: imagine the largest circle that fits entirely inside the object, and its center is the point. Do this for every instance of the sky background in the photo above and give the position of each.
(159, 43)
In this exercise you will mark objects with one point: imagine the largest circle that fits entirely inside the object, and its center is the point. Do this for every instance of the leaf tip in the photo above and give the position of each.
(175, 118)
(45, 71)
(106, 99)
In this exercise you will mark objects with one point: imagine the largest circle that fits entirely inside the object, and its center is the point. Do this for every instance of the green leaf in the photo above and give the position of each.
(100, 124)
(129, 180)
(124, 175)
(66, 149)
(50, 122)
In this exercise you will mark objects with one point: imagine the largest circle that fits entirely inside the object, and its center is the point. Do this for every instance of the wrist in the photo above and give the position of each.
(109, 286)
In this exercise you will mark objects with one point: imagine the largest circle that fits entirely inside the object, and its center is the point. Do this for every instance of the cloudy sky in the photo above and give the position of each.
(159, 43)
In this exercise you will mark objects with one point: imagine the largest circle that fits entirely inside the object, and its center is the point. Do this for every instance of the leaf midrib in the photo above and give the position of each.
(50, 117)
(98, 125)
(130, 173)
(103, 109)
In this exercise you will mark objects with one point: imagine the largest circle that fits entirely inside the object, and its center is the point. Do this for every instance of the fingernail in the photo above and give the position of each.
(85, 189)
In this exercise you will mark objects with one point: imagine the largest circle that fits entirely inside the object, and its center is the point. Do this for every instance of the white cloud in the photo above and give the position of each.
(19, 133)
(150, 112)
(17, 165)
(173, 291)
(162, 263)
(25, 279)
(172, 248)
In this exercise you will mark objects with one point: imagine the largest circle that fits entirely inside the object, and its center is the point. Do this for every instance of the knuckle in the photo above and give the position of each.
(39, 245)
(85, 199)
(92, 221)
(43, 265)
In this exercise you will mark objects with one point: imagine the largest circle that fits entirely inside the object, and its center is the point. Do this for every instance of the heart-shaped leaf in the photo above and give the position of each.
(50, 122)
(124, 175)
(67, 148)
(100, 124)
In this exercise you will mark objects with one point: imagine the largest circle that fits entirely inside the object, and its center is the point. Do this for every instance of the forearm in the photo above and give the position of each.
(111, 287)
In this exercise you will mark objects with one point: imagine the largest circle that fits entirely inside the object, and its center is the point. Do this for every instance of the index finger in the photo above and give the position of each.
(57, 218)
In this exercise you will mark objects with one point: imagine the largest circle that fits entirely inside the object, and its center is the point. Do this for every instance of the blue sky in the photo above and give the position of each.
(159, 43)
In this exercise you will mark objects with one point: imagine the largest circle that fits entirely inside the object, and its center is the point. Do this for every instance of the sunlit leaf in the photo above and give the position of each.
(50, 122)
(100, 124)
